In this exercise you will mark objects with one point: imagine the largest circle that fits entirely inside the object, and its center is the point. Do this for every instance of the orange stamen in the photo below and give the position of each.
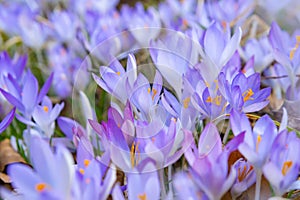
(40, 187)
(286, 166)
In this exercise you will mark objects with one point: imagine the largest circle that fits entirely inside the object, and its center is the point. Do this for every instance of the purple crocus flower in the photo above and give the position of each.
(11, 66)
(145, 97)
(244, 93)
(113, 78)
(209, 162)
(219, 47)
(64, 24)
(102, 6)
(130, 141)
(93, 179)
(7, 120)
(186, 187)
(258, 142)
(26, 98)
(286, 52)
(284, 162)
(233, 12)
(143, 25)
(173, 55)
(45, 115)
(143, 183)
(183, 109)
(261, 50)
(245, 177)
(52, 176)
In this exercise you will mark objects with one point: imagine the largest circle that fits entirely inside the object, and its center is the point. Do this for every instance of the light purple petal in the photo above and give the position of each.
(7, 120)
(44, 90)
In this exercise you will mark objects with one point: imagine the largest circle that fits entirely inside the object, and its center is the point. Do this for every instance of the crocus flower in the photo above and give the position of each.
(219, 47)
(145, 97)
(209, 162)
(64, 24)
(232, 12)
(113, 78)
(283, 167)
(143, 183)
(261, 50)
(11, 66)
(245, 178)
(7, 120)
(173, 55)
(26, 98)
(143, 25)
(93, 179)
(258, 142)
(186, 187)
(286, 52)
(45, 115)
(244, 93)
(52, 176)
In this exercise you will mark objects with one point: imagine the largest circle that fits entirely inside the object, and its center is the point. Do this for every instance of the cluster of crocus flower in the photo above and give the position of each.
(209, 70)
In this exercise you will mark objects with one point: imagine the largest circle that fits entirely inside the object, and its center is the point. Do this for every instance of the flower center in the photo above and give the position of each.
(286, 167)
(216, 100)
(40, 187)
(248, 95)
(133, 151)
(142, 196)
(243, 174)
(154, 92)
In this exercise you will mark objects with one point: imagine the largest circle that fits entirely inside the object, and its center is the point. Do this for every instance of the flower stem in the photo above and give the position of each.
(258, 183)
(170, 178)
(226, 134)
(162, 182)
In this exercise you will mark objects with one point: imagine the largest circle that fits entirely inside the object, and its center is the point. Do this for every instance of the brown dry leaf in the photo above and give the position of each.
(8, 155)
(275, 103)
(4, 178)
(233, 157)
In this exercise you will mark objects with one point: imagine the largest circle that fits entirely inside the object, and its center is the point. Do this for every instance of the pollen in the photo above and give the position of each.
(142, 196)
(286, 166)
(118, 73)
(218, 100)
(209, 99)
(46, 109)
(40, 187)
(154, 92)
(86, 162)
(81, 171)
(244, 173)
(186, 102)
(258, 140)
(248, 95)
(133, 152)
